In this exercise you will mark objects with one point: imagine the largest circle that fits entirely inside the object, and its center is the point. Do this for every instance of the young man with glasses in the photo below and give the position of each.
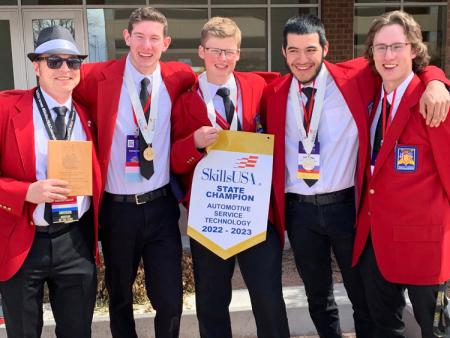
(39, 243)
(235, 100)
(402, 229)
(319, 116)
(131, 101)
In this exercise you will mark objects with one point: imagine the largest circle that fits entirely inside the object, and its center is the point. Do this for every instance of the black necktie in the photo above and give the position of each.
(146, 167)
(224, 93)
(60, 133)
(379, 131)
(308, 91)
(60, 122)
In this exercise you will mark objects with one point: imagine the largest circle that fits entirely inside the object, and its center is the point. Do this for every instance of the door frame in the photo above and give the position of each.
(17, 47)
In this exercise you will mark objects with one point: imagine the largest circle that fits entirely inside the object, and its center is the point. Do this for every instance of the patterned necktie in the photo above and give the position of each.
(224, 93)
(308, 91)
(146, 167)
(60, 133)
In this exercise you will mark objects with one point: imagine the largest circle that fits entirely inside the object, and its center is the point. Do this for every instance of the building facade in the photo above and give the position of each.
(98, 24)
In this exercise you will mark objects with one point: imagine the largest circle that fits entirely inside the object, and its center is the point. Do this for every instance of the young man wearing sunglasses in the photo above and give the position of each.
(39, 243)
(131, 101)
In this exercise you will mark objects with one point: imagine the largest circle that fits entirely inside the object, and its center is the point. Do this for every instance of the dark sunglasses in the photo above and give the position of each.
(55, 62)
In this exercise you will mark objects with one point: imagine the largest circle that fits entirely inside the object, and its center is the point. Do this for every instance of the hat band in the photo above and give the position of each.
(57, 44)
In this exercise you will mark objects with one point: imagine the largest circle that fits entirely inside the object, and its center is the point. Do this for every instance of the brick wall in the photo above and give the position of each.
(337, 16)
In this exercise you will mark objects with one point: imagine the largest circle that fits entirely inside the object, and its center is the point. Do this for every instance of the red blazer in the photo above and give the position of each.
(351, 79)
(189, 114)
(408, 213)
(358, 84)
(18, 171)
(100, 89)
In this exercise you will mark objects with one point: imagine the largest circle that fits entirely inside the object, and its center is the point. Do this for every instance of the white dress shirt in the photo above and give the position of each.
(338, 137)
(126, 125)
(40, 148)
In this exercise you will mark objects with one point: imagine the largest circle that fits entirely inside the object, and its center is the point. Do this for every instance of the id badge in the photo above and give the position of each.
(65, 211)
(132, 169)
(308, 164)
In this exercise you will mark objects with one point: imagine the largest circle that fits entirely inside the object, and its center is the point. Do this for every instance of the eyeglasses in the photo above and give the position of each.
(382, 48)
(229, 53)
(55, 62)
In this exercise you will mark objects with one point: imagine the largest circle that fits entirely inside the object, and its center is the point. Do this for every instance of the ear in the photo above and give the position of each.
(325, 49)
(36, 68)
(201, 52)
(283, 50)
(166, 43)
(126, 36)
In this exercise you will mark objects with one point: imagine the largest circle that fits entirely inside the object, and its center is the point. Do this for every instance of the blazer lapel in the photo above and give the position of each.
(24, 130)
(408, 101)
(109, 92)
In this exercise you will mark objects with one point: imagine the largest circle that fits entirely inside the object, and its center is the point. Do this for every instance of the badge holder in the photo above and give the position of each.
(65, 211)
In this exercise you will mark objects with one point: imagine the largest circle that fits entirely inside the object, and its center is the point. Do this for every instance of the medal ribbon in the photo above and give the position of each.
(212, 113)
(307, 114)
(147, 128)
(308, 139)
(47, 117)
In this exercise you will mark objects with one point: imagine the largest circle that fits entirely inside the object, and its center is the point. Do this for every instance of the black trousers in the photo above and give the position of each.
(386, 300)
(148, 231)
(66, 264)
(313, 231)
(261, 270)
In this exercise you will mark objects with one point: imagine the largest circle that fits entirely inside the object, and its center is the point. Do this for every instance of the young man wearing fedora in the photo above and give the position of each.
(38, 243)
(131, 101)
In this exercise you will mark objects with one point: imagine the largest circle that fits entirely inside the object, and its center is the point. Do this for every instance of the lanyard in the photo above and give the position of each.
(204, 93)
(147, 129)
(307, 114)
(47, 118)
(308, 139)
(147, 104)
(387, 123)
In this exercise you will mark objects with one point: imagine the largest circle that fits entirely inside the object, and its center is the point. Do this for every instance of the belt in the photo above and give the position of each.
(140, 198)
(324, 199)
(56, 229)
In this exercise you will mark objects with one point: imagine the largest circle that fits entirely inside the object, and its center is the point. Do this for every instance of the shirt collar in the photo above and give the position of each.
(400, 90)
(52, 103)
(136, 75)
(230, 84)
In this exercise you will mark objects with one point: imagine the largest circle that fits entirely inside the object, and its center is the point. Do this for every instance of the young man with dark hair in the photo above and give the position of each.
(402, 228)
(131, 101)
(40, 243)
(319, 116)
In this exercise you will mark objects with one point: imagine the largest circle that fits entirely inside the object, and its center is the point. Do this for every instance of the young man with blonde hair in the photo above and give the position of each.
(402, 232)
(235, 97)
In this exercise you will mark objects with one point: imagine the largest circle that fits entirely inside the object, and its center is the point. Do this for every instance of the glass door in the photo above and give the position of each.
(35, 20)
(11, 57)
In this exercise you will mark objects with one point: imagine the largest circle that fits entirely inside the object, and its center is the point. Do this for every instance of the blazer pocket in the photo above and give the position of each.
(418, 233)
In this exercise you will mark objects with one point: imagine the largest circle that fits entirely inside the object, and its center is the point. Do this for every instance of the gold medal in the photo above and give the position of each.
(308, 162)
(149, 153)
